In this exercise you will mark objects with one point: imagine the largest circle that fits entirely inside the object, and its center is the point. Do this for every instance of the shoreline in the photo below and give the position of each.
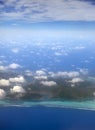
(83, 105)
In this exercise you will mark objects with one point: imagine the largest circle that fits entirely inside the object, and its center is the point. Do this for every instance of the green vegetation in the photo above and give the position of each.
(63, 91)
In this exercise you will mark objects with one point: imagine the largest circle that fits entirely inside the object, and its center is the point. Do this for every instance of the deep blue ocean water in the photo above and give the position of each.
(46, 118)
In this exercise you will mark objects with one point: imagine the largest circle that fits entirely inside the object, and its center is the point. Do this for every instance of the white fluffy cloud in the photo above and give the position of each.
(2, 94)
(40, 72)
(14, 66)
(73, 74)
(10, 66)
(15, 50)
(42, 10)
(48, 83)
(66, 74)
(42, 77)
(76, 80)
(4, 82)
(2, 68)
(19, 79)
(17, 89)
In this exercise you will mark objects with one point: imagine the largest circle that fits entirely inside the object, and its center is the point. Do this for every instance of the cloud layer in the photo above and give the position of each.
(50, 10)
(39, 82)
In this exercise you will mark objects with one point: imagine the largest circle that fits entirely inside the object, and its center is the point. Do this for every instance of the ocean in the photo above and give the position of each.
(46, 118)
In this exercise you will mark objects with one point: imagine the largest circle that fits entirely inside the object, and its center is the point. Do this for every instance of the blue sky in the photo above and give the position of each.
(48, 14)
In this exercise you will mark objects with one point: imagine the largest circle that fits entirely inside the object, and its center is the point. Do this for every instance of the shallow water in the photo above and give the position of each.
(85, 104)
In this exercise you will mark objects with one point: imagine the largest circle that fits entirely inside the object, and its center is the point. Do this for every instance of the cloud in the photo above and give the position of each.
(93, 93)
(3, 68)
(84, 71)
(10, 66)
(48, 83)
(72, 85)
(65, 74)
(17, 89)
(2, 94)
(14, 66)
(40, 72)
(58, 53)
(79, 48)
(42, 77)
(4, 82)
(50, 10)
(19, 79)
(13, 86)
(15, 50)
(28, 73)
(73, 74)
(76, 80)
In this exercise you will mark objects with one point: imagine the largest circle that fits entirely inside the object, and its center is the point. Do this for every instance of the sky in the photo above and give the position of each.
(47, 15)
(20, 19)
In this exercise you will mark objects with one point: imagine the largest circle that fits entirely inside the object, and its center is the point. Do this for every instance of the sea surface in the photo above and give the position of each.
(46, 118)
(47, 115)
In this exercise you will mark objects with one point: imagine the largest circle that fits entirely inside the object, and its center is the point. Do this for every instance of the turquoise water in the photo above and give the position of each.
(87, 105)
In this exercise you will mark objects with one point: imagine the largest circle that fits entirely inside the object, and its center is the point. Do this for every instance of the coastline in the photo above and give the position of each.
(84, 105)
